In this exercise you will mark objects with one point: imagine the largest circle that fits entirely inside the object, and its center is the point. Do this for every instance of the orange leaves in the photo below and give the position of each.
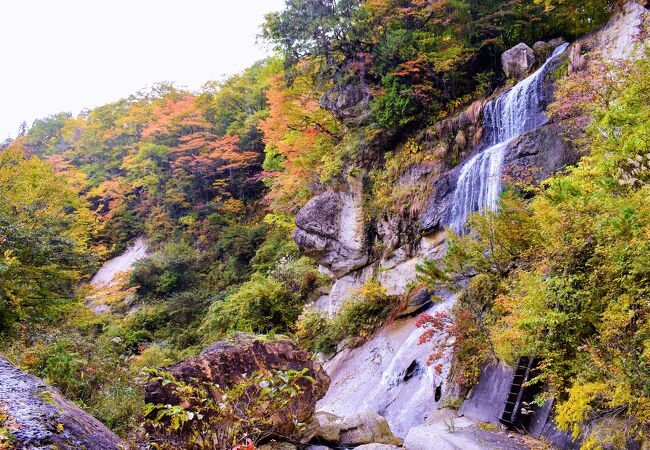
(298, 133)
(441, 330)
(411, 67)
(175, 116)
(206, 153)
(295, 118)
(248, 445)
(111, 195)
(194, 146)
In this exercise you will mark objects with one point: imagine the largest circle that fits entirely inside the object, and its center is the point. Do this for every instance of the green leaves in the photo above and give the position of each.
(45, 228)
(214, 417)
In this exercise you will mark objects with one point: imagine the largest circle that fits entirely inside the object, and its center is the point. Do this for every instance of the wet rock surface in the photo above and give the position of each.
(440, 202)
(537, 155)
(226, 362)
(44, 419)
(387, 375)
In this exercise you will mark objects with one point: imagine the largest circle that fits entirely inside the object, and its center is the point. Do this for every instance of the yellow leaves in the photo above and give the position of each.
(585, 404)
(521, 312)
(616, 318)
(35, 194)
(233, 205)
(574, 411)
(548, 4)
(371, 290)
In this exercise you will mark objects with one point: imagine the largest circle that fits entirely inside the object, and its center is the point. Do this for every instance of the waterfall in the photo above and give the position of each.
(389, 375)
(512, 114)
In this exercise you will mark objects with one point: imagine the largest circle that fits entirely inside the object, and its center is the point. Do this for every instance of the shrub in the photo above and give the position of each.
(266, 303)
(315, 331)
(357, 320)
(365, 312)
(277, 245)
(259, 305)
(209, 416)
(90, 370)
(299, 276)
(169, 269)
(7, 426)
(117, 405)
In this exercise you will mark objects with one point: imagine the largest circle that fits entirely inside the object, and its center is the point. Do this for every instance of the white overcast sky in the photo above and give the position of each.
(66, 55)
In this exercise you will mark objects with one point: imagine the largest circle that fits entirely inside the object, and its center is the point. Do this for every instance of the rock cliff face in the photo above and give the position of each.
(39, 417)
(623, 35)
(349, 102)
(331, 229)
(332, 226)
(538, 155)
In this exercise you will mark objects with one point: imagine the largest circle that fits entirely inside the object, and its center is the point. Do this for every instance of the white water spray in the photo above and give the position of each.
(512, 114)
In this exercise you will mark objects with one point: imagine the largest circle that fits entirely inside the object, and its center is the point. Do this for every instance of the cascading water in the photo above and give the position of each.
(512, 114)
(388, 375)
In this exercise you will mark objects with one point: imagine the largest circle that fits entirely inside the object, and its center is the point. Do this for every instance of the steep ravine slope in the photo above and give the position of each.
(388, 373)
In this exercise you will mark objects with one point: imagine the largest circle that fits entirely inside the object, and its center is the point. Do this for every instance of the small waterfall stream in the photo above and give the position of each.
(512, 114)
(388, 375)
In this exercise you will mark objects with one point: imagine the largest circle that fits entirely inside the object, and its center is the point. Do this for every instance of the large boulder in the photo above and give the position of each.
(227, 361)
(37, 416)
(542, 50)
(349, 102)
(518, 61)
(331, 229)
(351, 431)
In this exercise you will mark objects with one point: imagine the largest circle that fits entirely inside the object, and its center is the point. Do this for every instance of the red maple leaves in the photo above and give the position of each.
(194, 146)
(439, 328)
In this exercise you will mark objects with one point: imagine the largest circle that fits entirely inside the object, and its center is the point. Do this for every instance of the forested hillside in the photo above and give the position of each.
(378, 100)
